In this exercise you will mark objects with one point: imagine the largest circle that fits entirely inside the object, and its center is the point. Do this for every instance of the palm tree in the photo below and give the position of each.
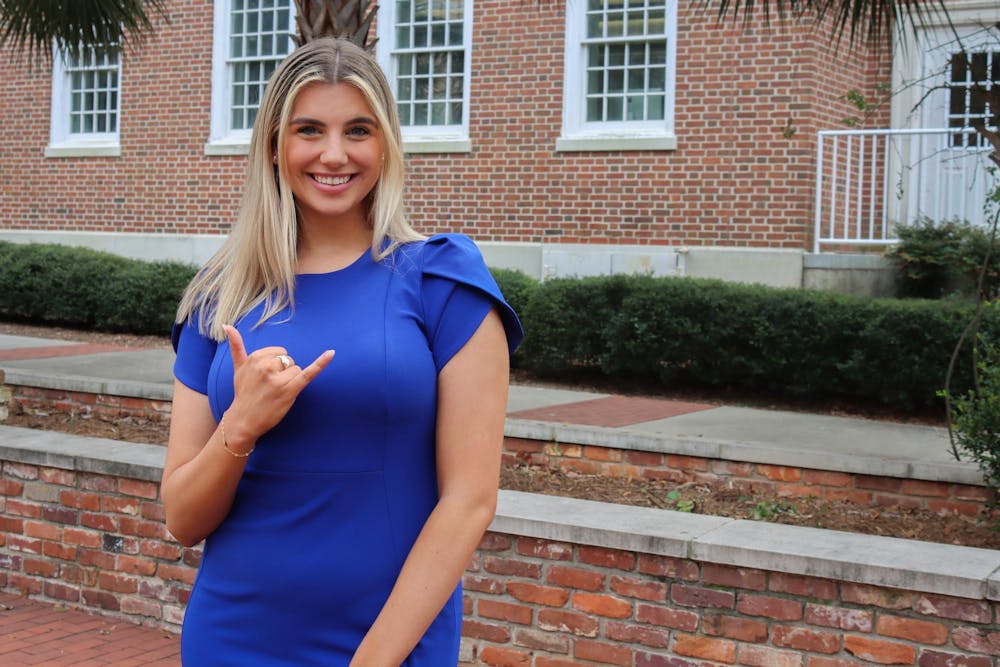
(351, 19)
(33, 26)
(868, 21)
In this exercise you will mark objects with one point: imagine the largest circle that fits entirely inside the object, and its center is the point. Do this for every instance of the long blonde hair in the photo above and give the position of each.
(256, 263)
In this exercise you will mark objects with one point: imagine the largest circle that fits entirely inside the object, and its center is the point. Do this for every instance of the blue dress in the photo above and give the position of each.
(334, 496)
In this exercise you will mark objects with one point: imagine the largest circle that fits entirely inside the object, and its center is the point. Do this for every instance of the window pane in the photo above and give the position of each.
(595, 109)
(595, 81)
(402, 37)
(615, 108)
(636, 80)
(456, 114)
(655, 107)
(438, 113)
(616, 81)
(437, 35)
(635, 107)
(657, 79)
(420, 114)
(616, 55)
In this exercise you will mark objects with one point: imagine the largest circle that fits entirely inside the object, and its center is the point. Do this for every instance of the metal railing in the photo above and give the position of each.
(869, 181)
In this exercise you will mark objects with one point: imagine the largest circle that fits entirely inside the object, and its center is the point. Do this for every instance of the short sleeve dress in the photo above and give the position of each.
(334, 496)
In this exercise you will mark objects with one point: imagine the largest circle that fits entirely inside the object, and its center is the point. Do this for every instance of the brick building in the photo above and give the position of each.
(564, 137)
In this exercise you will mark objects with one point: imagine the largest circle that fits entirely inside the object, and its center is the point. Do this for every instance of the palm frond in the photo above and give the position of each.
(350, 19)
(870, 21)
(33, 26)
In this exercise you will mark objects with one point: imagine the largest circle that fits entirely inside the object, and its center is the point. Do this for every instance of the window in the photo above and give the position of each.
(620, 71)
(971, 76)
(85, 104)
(424, 48)
(252, 37)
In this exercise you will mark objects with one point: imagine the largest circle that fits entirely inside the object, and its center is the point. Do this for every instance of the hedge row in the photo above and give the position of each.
(796, 343)
(674, 331)
(89, 289)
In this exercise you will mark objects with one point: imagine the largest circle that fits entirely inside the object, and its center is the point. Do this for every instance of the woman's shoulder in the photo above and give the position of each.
(444, 254)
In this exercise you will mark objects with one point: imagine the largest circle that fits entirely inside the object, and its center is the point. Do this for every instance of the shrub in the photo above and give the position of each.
(565, 322)
(785, 342)
(89, 289)
(936, 259)
(517, 287)
(976, 417)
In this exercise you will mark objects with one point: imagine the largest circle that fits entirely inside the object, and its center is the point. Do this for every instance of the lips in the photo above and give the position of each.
(331, 180)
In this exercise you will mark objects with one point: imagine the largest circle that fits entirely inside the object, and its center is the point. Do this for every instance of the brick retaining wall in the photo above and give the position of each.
(787, 480)
(558, 582)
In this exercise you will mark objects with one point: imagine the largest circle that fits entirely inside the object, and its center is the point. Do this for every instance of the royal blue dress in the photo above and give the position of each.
(333, 497)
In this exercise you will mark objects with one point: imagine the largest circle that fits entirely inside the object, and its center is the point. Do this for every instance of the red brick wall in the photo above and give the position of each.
(553, 604)
(790, 481)
(734, 180)
(98, 541)
(785, 480)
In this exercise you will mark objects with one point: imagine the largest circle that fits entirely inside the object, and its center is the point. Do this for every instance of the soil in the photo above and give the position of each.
(717, 499)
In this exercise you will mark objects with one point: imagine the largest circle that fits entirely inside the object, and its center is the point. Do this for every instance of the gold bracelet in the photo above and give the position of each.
(225, 445)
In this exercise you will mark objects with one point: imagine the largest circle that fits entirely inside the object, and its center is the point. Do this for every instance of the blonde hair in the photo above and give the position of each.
(256, 263)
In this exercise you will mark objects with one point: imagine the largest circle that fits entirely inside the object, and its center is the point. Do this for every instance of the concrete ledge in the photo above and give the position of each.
(74, 452)
(152, 390)
(921, 566)
(748, 452)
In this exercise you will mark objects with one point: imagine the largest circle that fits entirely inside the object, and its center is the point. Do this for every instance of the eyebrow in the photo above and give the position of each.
(359, 120)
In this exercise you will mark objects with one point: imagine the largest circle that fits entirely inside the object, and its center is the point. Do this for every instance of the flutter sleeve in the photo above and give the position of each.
(457, 292)
(194, 354)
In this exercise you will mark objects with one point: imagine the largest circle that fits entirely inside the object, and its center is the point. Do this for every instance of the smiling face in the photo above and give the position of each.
(332, 154)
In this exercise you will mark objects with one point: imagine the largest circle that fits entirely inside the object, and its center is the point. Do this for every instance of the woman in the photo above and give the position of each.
(340, 497)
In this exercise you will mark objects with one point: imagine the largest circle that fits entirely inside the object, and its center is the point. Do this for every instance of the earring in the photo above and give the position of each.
(274, 158)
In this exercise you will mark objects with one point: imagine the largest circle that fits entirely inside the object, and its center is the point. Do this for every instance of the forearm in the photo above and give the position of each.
(198, 495)
(432, 569)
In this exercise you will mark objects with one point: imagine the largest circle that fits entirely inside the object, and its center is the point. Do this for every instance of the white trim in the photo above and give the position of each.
(83, 150)
(580, 135)
(437, 145)
(62, 143)
(428, 138)
(617, 143)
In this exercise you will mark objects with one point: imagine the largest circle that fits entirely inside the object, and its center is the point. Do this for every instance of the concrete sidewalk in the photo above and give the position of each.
(34, 633)
(774, 437)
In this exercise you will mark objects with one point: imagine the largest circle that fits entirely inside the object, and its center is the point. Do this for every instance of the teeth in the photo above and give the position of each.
(332, 180)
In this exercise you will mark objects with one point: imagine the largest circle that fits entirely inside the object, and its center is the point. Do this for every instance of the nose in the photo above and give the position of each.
(334, 152)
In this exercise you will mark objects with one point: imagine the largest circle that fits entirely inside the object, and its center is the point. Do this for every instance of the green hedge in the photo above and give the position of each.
(678, 332)
(795, 343)
(88, 289)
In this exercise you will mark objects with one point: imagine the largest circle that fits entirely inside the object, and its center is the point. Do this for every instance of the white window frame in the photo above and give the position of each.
(428, 138)
(222, 140)
(580, 135)
(62, 142)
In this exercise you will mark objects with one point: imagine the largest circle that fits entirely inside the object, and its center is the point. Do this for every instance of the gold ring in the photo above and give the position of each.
(285, 360)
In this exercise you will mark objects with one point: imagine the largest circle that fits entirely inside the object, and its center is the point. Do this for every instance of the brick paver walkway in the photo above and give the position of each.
(612, 411)
(35, 633)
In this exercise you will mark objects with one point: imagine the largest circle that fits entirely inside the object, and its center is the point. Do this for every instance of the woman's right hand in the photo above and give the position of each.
(264, 389)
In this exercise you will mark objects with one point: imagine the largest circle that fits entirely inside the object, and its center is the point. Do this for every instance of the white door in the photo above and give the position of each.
(952, 168)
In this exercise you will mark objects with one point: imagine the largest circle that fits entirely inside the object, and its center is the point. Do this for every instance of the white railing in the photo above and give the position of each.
(868, 181)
